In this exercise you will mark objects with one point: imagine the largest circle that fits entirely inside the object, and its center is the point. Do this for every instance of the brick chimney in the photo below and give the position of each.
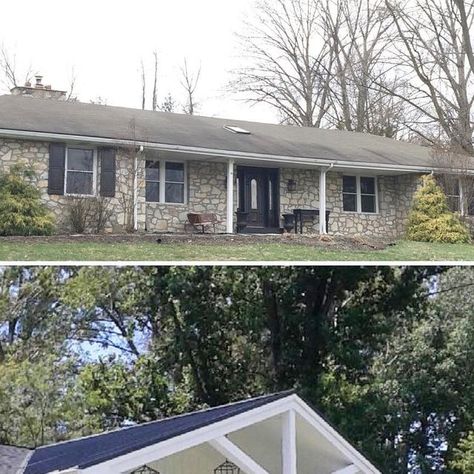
(39, 90)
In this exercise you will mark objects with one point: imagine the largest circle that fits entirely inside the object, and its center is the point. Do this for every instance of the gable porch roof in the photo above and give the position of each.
(121, 450)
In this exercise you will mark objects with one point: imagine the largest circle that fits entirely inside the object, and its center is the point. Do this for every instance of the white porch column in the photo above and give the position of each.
(322, 201)
(230, 197)
(235, 455)
(288, 448)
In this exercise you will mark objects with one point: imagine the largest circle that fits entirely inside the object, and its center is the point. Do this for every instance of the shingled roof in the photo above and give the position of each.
(28, 114)
(13, 459)
(92, 450)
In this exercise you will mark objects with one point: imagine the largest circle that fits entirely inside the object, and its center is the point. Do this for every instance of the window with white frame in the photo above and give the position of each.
(359, 194)
(164, 182)
(80, 171)
(152, 181)
(174, 184)
(452, 189)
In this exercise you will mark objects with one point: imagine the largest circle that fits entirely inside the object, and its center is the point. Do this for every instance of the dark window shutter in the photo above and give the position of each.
(57, 162)
(107, 172)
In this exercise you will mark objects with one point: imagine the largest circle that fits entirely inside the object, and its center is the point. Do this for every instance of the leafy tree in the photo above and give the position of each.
(463, 459)
(21, 209)
(37, 405)
(430, 219)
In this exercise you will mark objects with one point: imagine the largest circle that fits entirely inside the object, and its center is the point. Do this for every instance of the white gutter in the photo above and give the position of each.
(217, 152)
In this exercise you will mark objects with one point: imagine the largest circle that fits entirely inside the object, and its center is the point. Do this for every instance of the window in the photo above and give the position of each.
(349, 193)
(235, 129)
(80, 171)
(174, 182)
(152, 181)
(164, 182)
(452, 189)
(253, 194)
(367, 195)
(359, 194)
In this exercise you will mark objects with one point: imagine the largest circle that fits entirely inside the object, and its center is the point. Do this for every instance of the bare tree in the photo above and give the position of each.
(359, 32)
(155, 82)
(291, 63)
(190, 81)
(169, 104)
(454, 174)
(71, 97)
(143, 84)
(434, 47)
(9, 70)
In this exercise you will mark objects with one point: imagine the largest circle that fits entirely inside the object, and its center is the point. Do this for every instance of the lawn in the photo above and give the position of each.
(175, 252)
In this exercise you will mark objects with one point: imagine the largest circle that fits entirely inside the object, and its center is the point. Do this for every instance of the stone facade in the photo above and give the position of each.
(206, 192)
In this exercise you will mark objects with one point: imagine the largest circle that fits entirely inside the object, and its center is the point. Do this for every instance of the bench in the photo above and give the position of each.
(202, 222)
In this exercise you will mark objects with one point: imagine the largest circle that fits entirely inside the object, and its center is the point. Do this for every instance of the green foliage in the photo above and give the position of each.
(463, 459)
(390, 367)
(37, 403)
(430, 219)
(21, 209)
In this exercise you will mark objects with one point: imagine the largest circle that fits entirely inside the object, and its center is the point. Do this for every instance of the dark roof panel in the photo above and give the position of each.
(92, 450)
(75, 118)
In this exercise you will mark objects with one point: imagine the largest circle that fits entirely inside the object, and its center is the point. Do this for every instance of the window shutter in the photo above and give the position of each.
(107, 172)
(57, 162)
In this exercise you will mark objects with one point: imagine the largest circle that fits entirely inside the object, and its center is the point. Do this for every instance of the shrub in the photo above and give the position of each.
(88, 213)
(21, 209)
(78, 214)
(430, 219)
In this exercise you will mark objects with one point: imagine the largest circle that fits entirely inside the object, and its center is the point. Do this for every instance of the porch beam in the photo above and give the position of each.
(352, 469)
(288, 445)
(230, 197)
(322, 201)
(234, 454)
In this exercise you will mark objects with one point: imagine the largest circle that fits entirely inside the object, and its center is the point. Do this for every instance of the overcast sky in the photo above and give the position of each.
(104, 40)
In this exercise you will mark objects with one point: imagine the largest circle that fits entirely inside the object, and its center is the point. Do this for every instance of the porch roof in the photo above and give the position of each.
(89, 451)
(25, 116)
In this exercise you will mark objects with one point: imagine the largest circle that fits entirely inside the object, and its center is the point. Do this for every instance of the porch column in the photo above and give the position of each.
(322, 201)
(230, 197)
(288, 448)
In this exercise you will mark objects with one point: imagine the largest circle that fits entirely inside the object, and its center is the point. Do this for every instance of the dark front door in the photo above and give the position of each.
(258, 195)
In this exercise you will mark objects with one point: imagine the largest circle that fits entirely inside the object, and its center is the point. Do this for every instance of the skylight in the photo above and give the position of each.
(235, 129)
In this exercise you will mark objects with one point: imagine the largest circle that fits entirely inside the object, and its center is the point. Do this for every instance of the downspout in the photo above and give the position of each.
(322, 199)
(135, 189)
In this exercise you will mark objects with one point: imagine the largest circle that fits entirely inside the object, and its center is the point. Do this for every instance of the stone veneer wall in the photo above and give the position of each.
(206, 193)
(395, 194)
(206, 188)
(35, 155)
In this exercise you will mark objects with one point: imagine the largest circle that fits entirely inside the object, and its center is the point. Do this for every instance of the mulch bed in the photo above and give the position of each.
(312, 240)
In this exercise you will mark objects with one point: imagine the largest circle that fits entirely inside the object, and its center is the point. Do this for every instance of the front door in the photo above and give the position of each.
(258, 195)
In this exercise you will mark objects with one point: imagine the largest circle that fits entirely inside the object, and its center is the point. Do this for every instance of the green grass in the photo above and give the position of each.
(149, 251)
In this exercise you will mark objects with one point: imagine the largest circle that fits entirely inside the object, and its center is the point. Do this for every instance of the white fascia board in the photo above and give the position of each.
(188, 440)
(316, 162)
(323, 427)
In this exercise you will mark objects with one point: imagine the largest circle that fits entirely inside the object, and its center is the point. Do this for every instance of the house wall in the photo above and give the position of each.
(395, 195)
(206, 193)
(35, 155)
(206, 189)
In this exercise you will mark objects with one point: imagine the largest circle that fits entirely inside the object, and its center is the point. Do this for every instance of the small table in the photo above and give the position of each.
(302, 214)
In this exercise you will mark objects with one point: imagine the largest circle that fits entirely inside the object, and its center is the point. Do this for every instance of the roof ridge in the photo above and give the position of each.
(181, 415)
